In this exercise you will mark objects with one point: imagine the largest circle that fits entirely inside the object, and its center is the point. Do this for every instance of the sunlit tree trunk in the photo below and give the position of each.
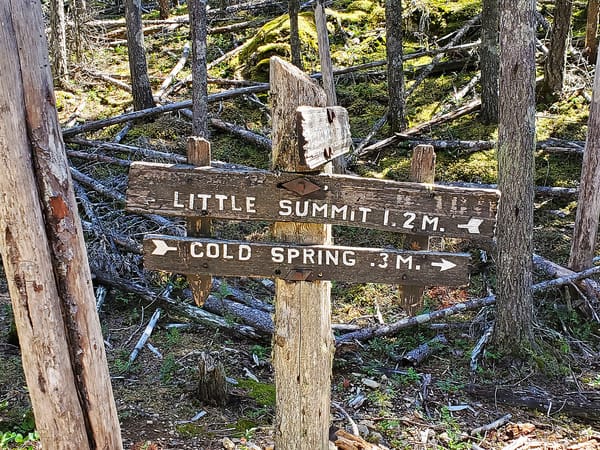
(588, 209)
(79, 10)
(489, 61)
(163, 9)
(513, 333)
(199, 28)
(554, 69)
(140, 82)
(395, 74)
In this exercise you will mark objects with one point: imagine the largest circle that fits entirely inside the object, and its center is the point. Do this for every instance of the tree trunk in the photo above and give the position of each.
(198, 25)
(395, 74)
(554, 68)
(58, 40)
(516, 144)
(78, 19)
(339, 163)
(140, 82)
(489, 61)
(295, 47)
(583, 246)
(591, 30)
(302, 341)
(44, 252)
(163, 9)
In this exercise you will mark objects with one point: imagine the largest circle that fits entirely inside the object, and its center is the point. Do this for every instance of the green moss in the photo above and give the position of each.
(273, 40)
(480, 167)
(262, 393)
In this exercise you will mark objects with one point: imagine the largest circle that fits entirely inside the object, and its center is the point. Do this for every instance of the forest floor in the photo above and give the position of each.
(553, 399)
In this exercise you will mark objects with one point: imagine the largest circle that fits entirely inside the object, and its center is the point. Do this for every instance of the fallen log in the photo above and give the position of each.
(150, 112)
(257, 319)
(254, 138)
(193, 313)
(583, 405)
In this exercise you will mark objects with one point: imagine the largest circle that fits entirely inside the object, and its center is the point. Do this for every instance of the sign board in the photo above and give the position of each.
(323, 134)
(410, 208)
(304, 262)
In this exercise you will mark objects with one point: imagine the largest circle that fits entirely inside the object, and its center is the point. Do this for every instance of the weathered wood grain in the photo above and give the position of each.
(323, 134)
(304, 262)
(411, 208)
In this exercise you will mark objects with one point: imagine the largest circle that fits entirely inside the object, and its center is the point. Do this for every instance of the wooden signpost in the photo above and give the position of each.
(303, 205)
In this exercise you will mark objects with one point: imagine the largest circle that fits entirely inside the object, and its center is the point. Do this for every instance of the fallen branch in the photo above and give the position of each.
(466, 109)
(193, 313)
(145, 335)
(254, 138)
(259, 320)
(478, 349)
(393, 328)
(492, 425)
(149, 112)
(178, 67)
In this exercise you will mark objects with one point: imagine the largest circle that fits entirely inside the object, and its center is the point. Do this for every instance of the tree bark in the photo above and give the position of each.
(588, 208)
(513, 333)
(554, 68)
(395, 73)
(163, 9)
(44, 252)
(198, 25)
(302, 341)
(591, 30)
(140, 82)
(295, 45)
(58, 40)
(489, 61)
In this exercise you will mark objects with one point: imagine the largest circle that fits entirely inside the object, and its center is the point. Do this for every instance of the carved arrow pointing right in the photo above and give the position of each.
(161, 247)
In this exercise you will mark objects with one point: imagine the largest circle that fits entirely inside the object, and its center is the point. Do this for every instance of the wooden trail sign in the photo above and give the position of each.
(304, 262)
(410, 208)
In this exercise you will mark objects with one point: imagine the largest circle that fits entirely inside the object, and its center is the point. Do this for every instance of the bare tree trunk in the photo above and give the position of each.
(591, 30)
(199, 26)
(78, 16)
(395, 74)
(489, 61)
(293, 10)
(140, 82)
(588, 209)
(554, 68)
(163, 9)
(513, 333)
(58, 40)
(44, 252)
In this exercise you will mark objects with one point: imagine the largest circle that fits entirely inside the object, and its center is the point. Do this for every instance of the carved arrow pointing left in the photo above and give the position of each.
(161, 247)
(444, 265)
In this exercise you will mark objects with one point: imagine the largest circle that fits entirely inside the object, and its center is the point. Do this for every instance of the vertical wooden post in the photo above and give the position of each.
(422, 170)
(198, 147)
(198, 154)
(302, 341)
(44, 252)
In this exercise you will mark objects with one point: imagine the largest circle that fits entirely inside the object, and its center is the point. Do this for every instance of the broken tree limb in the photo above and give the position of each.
(254, 138)
(387, 330)
(149, 112)
(492, 425)
(98, 158)
(145, 335)
(477, 350)
(468, 108)
(459, 34)
(185, 53)
(116, 147)
(422, 352)
(193, 313)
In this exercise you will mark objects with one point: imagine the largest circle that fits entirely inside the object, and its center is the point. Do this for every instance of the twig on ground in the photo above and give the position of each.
(145, 335)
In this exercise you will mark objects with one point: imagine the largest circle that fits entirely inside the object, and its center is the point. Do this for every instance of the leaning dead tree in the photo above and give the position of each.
(43, 251)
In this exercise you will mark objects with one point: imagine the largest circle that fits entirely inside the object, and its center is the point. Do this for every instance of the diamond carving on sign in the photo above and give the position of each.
(301, 186)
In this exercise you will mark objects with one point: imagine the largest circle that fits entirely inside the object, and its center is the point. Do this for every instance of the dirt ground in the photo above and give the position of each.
(393, 406)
